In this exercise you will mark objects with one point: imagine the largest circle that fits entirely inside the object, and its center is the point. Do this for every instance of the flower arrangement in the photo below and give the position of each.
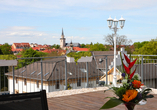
(130, 93)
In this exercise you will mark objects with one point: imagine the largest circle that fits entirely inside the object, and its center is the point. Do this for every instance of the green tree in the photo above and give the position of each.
(97, 47)
(87, 46)
(91, 43)
(83, 45)
(138, 45)
(27, 53)
(149, 48)
(5, 49)
(55, 46)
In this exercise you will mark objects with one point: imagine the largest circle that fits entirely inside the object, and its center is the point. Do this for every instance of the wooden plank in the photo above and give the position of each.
(92, 101)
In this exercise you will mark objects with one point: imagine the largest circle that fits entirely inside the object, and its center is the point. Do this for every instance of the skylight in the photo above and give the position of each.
(70, 73)
(46, 74)
(38, 73)
(33, 72)
(23, 71)
(83, 70)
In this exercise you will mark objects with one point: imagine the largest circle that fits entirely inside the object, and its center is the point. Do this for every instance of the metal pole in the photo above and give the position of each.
(142, 69)
(41, 74)
(13, 81)
(0, 78)
(87, 75)
(114, 73)
(65, 74)
(106, 72)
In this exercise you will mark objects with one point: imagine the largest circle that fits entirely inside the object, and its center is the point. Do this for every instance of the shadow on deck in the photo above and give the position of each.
(92, 101)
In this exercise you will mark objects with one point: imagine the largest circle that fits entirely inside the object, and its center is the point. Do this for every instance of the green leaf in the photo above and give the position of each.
(146, 91)
(111, 97)
(111, 103)
(122, 62)
(149, 96)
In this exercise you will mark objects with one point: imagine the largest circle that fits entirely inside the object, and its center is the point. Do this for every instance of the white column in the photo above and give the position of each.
(114, 72)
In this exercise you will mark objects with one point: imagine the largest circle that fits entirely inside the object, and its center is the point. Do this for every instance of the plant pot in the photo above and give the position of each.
(130, 106)
(82, 59)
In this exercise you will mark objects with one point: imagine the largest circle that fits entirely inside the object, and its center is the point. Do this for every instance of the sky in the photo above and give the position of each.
(83, 21)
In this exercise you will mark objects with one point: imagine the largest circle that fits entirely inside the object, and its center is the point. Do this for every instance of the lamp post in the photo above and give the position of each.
(114, 22)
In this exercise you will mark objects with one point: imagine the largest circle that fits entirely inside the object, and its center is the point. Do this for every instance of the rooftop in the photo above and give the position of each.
(92, 101)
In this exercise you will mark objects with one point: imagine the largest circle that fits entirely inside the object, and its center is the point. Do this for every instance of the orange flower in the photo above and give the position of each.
(136, 84)
(129, 95)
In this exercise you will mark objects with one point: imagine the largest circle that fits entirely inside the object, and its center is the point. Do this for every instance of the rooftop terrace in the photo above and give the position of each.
(91, 101)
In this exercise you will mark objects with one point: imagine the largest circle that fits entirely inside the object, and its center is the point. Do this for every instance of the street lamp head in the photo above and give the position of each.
(121, 22)
(115, 22)
(109, 21)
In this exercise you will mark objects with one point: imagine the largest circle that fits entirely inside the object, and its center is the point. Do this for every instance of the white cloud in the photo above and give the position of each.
(21, 31)
(21, 28)
(23, 34)
(62, 5)
(56, 37)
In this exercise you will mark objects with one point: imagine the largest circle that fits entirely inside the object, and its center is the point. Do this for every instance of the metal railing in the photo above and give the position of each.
(55, 73)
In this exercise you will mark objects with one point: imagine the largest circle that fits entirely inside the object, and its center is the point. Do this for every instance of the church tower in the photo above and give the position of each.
(62, 40)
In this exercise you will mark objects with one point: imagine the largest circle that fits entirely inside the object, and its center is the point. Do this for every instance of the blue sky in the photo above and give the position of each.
(83, 21)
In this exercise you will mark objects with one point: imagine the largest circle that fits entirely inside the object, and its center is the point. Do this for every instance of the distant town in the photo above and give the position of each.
(64, 47)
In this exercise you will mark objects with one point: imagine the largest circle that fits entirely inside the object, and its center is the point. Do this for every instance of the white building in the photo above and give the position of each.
(28, 78)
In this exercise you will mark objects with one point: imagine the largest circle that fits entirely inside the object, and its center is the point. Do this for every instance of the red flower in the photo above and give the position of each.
(126, 69)
(132, 74)
(132, 63)
(136, 84)
(127, 59)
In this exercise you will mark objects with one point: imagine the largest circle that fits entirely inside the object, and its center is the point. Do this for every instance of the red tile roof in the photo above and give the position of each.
(80, 49)
(22, 44)
(49, 50)
(36, 48)
(17, 50)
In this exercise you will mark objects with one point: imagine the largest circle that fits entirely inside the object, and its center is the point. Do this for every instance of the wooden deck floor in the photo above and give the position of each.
(92, 101)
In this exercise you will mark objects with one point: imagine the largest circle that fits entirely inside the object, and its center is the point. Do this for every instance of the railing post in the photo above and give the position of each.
(87, 75)
(142, 69)
(13, 81)
(106, 72)
(41, 74)
(0, 78)
(65, 74)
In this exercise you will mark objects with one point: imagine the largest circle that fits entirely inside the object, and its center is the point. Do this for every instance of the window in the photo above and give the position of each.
(37, 84)
(57, 85)
(78, 82)
(25, 81)
(16, 80)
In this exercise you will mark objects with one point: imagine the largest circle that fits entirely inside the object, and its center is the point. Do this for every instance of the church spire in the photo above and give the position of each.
(62, 32)
(71, 42)
(62, 40)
